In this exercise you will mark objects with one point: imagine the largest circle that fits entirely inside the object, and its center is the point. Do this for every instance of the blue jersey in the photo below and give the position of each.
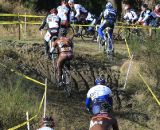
(110, 14)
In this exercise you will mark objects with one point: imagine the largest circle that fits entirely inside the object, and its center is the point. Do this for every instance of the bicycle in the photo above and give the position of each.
(88, 35)
(66, 75)
(105, 45)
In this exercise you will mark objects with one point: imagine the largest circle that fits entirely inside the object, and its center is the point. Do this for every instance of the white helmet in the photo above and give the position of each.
(109, 5)
(70, 1)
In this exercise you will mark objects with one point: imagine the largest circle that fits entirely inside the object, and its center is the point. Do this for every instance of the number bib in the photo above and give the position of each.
(66, 49)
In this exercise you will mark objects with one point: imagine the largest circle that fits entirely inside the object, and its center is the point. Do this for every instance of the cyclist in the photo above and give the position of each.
(99, 97)
(130, 15)
(144, 17)
(63, 13)
(91, 19)
(109, 15)
(47, 123)
(80, 13)
(155, 16)
(53, 23)
(103, 121)
(64, 47)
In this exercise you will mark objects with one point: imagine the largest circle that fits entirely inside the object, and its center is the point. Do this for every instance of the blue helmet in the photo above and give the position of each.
(100, 80)
(109, 5)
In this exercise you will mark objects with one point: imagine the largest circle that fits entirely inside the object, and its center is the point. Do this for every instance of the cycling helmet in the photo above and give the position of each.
(109, 5)
(48, 121)
(145, 6)
(100, 80)
(53, 11)
(62, 32)
(70, 1)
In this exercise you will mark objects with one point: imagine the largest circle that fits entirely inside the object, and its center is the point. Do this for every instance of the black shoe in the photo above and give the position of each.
(77, 35)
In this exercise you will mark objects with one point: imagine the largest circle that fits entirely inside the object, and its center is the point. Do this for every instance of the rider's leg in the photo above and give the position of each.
(46, 42)
(60, 63)
(110, 32)
(90, 28)
(46, 47)
(100, 30)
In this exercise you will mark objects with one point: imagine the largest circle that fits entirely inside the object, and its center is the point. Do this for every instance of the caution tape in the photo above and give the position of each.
(21, 15)
(24, 123)
(149, 88)
(128, 49)
(24, 76)
(41, 103)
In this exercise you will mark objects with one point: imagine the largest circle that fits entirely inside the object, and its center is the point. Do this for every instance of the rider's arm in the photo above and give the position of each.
(146, 16)
(135, 17)
(115, 125)
(88, 101)
(99, 18)
(140, 17)
(43, 23)
(125, 17)
(77, 13)
(53, 45)
(110, 100)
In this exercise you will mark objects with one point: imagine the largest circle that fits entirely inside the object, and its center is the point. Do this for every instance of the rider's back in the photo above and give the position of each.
(64, 44)
(103, 121)
(53, 21)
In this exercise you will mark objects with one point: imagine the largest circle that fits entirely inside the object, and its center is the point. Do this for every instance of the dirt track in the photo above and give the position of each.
(29, 59)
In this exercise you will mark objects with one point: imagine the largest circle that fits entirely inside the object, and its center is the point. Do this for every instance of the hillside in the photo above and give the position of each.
(27, 57)
(134, 107)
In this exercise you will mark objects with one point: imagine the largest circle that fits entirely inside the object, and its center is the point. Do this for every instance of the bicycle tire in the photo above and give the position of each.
(70, 32)
(66, 79)
(54, 70)
(87, 36)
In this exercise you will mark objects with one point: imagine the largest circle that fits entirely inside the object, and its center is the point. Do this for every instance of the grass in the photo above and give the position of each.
(70, 113)
(16, 101)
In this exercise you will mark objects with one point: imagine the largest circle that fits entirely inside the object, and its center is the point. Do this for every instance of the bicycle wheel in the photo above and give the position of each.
(54, 70)
(124, 33)
(86, 35)
(70, 32)
(66, 79)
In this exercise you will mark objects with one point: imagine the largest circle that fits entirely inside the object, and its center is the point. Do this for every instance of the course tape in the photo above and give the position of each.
(22, 75)
(128, 49)
(149, 88)
(24, 123)
(41, 103)
(21, 15)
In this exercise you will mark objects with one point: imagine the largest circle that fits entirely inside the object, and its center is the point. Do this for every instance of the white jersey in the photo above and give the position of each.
(53, 21)
(79, 9)
(45, 128)
(63, 12)
(89, 17)
(98, 91)
(130, 16)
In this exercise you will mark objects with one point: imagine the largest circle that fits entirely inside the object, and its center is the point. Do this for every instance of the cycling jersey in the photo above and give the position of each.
(98, 95)
(63, 12)
(110, 14)
(79, 10)
(53, 21)
(130, 16)
(144, 16)
(99, 91)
